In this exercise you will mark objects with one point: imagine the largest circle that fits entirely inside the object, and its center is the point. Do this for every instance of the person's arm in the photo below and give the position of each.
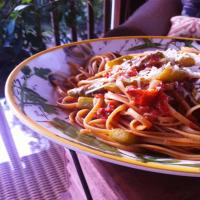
(152, 18)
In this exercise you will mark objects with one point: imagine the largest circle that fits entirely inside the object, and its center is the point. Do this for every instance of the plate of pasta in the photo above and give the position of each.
(133, 101)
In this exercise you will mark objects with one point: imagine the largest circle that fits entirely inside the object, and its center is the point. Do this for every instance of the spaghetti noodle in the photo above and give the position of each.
(139, 102)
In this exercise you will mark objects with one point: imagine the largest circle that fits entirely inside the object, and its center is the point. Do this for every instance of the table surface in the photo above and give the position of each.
(32, 167)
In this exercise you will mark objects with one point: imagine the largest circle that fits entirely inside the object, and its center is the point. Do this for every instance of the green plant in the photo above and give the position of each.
(21, 25)
(25, 24)
(26, 28)
(20, 34)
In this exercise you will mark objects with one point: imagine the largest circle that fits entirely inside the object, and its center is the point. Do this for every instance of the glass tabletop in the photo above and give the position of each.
(31, 167)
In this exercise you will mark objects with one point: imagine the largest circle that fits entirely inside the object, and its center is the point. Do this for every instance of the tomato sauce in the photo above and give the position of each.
(142, 97)
(103, 113)
(131, 72)
(153, 60)
(99, 95)
(150, 102)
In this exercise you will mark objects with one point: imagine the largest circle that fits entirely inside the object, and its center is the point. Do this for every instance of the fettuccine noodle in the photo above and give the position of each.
(146, 102)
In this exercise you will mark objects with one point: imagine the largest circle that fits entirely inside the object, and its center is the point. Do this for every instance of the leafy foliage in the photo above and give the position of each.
(64, 127)
(19, 26)
(73, 132)
(26, 28)
(25, 24)
(28, 96)
(147, 44)
(26, 71)
(42, 72)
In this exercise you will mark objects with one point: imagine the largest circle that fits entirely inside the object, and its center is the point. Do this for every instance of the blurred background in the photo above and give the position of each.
(30, 26)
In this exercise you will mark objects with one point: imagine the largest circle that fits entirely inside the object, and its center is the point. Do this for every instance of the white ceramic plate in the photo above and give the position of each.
(32, 98)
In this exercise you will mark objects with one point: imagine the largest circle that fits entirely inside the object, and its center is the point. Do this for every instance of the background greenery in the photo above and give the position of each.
(26, 27)
(26, 24)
